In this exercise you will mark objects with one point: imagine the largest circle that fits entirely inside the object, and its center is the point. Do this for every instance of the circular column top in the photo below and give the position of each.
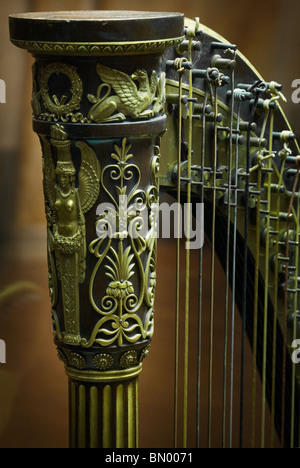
(99, 32)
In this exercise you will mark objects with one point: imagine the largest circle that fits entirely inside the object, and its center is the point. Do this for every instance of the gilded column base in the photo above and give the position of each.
(103, 409)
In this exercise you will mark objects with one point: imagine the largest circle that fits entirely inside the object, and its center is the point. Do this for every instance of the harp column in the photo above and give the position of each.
(98, 108)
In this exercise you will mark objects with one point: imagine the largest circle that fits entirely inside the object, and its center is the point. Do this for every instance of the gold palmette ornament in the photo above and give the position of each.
(98, 107)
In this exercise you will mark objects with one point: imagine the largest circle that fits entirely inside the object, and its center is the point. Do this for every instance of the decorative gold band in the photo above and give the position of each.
(110, 376)
(98, 49)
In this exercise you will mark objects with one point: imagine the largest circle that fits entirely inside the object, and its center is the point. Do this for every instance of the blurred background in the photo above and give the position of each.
(33, 387)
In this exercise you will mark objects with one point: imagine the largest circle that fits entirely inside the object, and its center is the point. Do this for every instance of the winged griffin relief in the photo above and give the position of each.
(137, 96)
(66, 205)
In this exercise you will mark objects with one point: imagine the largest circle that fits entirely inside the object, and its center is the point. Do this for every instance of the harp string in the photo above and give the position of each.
(234, 247)
(212, 277)
(286, 290)
(256, 285)
(187, 251)
(293, 413)
(267, 266)
(255, 312)
(178, 228)
(258, 168)
(226, 311)
(275, 300)
(294, 332)
(200, 287)
(245, 272)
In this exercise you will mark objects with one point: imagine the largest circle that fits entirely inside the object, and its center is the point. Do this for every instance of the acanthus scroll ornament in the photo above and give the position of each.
(126, 257)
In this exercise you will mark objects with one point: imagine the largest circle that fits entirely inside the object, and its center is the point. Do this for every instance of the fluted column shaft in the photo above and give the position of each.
(103, 415)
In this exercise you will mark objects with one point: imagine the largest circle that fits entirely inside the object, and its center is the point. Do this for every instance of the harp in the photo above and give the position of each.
(127, 106)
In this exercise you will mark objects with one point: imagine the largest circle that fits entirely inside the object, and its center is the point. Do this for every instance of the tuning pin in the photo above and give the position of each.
(240, 94)
(197, 73)
(256, 142)
(184, 64)
(244, 126)
(222, 46)
(212, 117)
(225, 80)
(292, 319)
(186, 99)
(199, 108)
(223, 63)
(184, 46)
(295, 167)
(264, 104)
(258, 86)
(285, 136)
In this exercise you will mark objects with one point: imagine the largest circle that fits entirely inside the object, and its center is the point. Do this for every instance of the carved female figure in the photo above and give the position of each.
(66, 205)
(69, 226)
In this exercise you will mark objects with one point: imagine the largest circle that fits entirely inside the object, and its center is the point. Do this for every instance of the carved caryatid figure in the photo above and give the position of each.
(66, 205)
